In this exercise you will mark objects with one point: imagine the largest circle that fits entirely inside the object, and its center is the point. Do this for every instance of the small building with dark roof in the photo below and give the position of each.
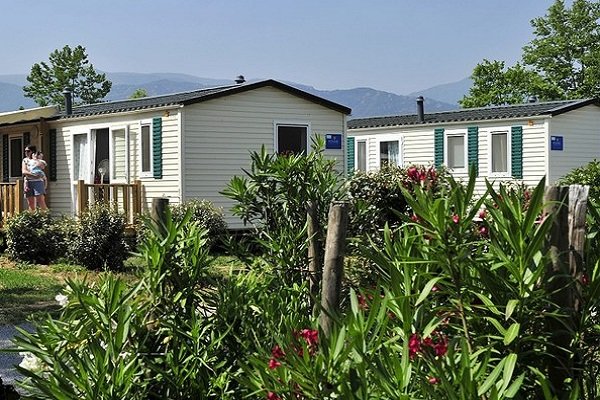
(181, 146)
(521, 143)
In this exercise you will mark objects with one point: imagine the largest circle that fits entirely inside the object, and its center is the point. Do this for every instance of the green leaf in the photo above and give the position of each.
(427, 289)
(513, 389)
(492, 378)
(511, 333)
(488, 303)
(510, 308)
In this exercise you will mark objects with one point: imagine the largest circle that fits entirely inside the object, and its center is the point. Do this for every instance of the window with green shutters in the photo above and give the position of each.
(438, 152)
(473, 148)
(157, 161)
(52, 159)
(516, 133)
(350, 155)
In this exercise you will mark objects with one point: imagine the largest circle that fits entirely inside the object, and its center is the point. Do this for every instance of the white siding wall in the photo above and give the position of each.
(418, 146)
(221, 133)
(62, 191)
(580, 130)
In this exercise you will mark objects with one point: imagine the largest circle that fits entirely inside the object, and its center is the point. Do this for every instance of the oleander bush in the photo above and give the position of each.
(205, 214)
(588, 174)
(34, 237)
(97, 239)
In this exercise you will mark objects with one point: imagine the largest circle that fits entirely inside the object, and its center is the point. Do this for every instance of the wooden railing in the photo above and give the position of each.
(11, 199)
(125, 198)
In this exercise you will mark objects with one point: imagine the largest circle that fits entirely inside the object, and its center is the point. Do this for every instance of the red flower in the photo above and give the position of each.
(585, 280)
(482, 214)
(483, 231)
(310, 335)
(441, 348)
(433, 380)
(435, 288)
(415, 218)
(362, 302)
(414, 346)
(413, 173)
(273, 363)
(273, 396)
(455, 219)
(277, 352)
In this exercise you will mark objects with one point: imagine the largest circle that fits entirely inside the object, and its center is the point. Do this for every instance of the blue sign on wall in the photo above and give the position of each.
(333, 141)
(556, 143)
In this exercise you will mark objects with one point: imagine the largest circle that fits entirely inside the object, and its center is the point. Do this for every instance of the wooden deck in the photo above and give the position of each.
(125, 198)
(11, 199)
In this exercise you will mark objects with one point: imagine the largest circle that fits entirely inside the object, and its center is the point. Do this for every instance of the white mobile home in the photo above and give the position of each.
(520, 143)
(180, 146)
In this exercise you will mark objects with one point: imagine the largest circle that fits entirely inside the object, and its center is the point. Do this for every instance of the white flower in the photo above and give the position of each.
(31, 362)
(62, 299)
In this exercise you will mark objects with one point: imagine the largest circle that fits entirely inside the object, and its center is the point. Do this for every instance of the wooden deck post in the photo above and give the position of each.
(19, 195)
(333, 269)
(82, 197)
(136, 197)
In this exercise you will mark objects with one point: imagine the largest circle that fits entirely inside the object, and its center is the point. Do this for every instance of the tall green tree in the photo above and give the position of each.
(561, 62)
(67, 67)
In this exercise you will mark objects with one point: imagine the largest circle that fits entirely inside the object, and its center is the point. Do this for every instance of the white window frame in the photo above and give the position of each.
(366, 142)
(21, 155)
(150, 173)
(88, 135)
(301, 124)
(508, 172)
(455, 133)
(389, 138)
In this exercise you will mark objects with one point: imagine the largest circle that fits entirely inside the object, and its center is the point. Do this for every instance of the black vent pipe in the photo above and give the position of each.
(68, 101)
(420, 109)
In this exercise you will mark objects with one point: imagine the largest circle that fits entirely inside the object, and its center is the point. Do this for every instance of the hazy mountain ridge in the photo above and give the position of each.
(364, 102)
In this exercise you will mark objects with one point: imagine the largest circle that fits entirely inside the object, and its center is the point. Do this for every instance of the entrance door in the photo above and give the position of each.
(101, 156)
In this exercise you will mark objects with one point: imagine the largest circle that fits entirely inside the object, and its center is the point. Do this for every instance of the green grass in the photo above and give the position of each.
(26, 292)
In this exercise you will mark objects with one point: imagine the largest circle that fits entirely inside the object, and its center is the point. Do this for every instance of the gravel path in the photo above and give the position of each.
(8, 360)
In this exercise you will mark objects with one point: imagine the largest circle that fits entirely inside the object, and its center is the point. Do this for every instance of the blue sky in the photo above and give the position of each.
(394, 45)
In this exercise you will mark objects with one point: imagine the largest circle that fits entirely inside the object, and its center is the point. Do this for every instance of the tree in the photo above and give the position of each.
(139, 93)
(66, 68)
(561, 62)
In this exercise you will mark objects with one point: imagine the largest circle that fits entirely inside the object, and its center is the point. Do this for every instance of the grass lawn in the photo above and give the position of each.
(29, 289)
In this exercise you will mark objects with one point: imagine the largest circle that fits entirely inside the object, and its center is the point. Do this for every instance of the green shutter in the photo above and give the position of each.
(350, 154)
(52, 156)
(473, 148)
(157, 147)
(5, 158)
(438, 144)
(516, 144)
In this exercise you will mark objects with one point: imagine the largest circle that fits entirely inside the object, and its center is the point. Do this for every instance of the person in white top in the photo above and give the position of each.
(35, 184)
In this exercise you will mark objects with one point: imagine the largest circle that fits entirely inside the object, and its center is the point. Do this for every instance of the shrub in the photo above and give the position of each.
(588, 174)
(205, 214)
(34, 237)
(377, 197)
(98, 240)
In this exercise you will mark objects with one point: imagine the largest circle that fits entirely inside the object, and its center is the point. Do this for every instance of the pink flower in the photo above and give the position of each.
(273, 363)
(483, 231)
(273, 396)
(585, 280)
(433, 380)
(455, 219)
(482, 214)
(415, 218)
(441, 348)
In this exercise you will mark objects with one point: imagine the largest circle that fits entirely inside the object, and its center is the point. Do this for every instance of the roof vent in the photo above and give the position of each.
(420, 109)
(532, 99)
(68, 100)
(240, 79)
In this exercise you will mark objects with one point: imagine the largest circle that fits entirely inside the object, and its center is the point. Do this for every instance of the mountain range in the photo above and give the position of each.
(364, 102)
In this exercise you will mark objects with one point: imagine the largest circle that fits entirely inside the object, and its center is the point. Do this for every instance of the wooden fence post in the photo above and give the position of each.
(567, 237)
(314, 254)
(333, 270)
(159, 213)
(19, 195)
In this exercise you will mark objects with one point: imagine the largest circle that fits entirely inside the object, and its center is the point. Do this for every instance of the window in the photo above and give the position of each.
(16, 154)
(499, 153)
(361, 155)
(389, 153)
(81, 163)
(292, 139)
(146, 153)
(456, 151)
